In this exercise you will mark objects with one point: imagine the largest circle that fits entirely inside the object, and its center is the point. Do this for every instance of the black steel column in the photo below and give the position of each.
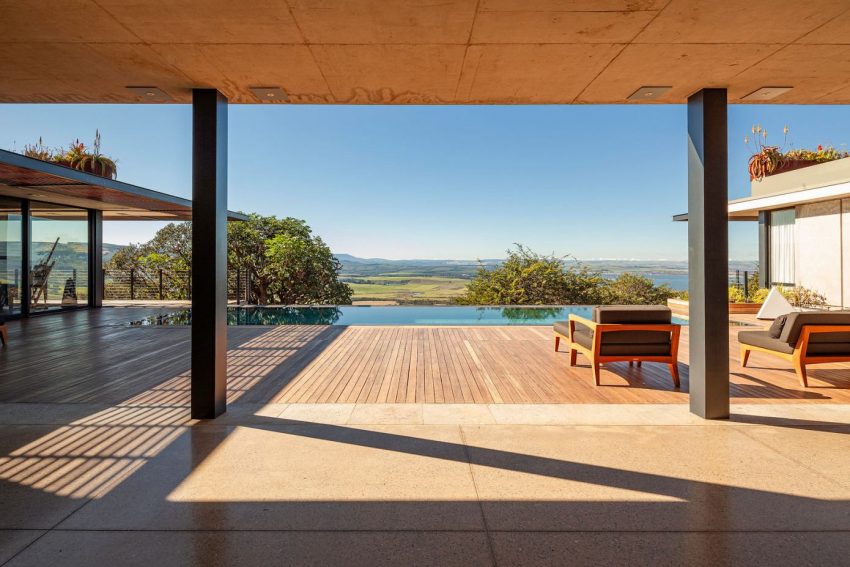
(95, 258)
(708, 254)
(26, 254)
(209, 253)
(764, 249)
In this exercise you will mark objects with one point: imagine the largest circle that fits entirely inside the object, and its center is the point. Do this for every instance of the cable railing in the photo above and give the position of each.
(742, 280)
(165, 285)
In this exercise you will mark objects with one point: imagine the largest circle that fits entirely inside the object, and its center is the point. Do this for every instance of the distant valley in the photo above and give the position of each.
(381, 281)
(439, 281)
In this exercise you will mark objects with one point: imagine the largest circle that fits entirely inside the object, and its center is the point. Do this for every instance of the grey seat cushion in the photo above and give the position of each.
(584, 337)
(823, 348)
(764, 340)
(562, 327)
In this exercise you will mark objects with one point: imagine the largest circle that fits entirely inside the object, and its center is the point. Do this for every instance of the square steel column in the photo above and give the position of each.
(764, 248)
(25, 291)
(209, 253)
(708, 254)
(95, 258)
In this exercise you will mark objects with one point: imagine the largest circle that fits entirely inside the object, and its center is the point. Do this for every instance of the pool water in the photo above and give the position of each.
(385, 315)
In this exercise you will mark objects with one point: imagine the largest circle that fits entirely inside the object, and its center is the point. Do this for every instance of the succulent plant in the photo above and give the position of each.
(78, 157)
(767, 159)
(39, 151)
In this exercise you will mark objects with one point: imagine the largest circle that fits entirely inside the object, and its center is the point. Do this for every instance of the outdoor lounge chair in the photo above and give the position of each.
(623, 333)
(802, 338)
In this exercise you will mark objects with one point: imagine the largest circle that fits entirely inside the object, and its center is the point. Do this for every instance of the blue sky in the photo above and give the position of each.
(459, 182)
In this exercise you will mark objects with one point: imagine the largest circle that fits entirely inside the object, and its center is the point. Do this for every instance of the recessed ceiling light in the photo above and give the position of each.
(766, 93)
(150, 94)
(649, 93)
(269, 94)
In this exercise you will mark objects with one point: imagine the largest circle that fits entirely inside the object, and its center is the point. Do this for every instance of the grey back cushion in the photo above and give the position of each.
(795, 321)
(632, 314)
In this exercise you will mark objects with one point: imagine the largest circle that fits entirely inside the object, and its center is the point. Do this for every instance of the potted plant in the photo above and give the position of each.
(770, 160)
(40, 151)
(78, 157)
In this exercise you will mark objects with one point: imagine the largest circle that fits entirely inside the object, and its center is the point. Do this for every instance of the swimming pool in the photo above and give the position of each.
(386, 315)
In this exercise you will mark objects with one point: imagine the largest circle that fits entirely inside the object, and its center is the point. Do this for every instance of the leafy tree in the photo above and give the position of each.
(305, 272)
(170, 250)
(173, 243)
(247, 245)
(528, 278)
(286, 263)
(633, 289)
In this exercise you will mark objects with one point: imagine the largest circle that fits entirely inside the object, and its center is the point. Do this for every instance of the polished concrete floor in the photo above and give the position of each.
(414, 484)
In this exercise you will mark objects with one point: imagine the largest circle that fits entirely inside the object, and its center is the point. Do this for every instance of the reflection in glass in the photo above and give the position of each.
(59, 257)
(11, 259)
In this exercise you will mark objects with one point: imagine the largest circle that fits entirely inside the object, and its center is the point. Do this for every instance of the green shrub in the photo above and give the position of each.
(633, 289)
(528, 278)
(736, 294)
(759, 295)
(800, 296)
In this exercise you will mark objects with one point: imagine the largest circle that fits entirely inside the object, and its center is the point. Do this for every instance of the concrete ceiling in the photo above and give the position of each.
(424, 51)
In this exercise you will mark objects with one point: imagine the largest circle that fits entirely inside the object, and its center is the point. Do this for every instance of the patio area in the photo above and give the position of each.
(101, 463)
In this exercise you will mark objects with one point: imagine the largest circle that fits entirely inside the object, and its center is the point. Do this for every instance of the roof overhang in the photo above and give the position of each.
(748, 208)
(28, 178)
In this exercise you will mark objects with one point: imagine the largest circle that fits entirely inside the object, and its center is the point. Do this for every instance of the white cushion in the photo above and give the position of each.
(775, 305)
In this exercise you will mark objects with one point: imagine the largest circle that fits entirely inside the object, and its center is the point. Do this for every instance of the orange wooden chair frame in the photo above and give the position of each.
(799, 358)
(595, 352)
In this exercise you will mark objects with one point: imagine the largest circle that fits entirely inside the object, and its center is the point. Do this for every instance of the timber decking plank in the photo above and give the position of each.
(94, 357)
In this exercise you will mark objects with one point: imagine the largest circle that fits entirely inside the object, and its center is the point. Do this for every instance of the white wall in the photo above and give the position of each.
(819, 254)
(845, 250)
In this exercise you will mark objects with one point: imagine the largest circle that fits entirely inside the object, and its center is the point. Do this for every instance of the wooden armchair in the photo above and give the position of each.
(803, 339)
(623, 333)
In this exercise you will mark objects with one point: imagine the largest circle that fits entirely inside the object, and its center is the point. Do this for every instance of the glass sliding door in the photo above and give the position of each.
(783, 246)
(11, 258)
(59, 257)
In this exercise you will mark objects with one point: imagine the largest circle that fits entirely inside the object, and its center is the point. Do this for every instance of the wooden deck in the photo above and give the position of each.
(93, 357)
(519, 365)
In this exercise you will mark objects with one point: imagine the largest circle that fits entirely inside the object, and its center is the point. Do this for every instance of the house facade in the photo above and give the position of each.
(804, 228)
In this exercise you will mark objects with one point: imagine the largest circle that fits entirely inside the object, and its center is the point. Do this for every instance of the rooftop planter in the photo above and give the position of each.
(76, 156)
(772, 160)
